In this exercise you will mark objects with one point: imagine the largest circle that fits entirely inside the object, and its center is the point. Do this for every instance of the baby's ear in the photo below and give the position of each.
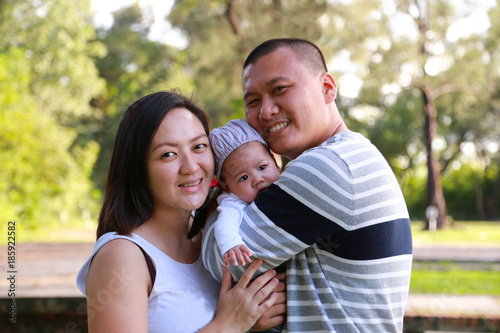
(223, 186)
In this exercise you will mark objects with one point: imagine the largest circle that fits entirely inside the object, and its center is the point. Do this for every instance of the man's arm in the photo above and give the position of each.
(274, 226)
(318, 199)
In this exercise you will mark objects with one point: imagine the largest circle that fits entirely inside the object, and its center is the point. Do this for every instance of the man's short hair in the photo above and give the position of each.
(306, 51)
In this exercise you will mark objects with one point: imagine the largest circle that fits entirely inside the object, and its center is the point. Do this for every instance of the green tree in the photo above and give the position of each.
(445, 77)
(419, 84)
(133, 66)
(220, 34)
(57, 37)
(42, 182)
(47, 81)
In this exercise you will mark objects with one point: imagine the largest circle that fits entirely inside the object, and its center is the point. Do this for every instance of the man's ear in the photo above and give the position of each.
(275, 162)
(329, 87)
(277, 166)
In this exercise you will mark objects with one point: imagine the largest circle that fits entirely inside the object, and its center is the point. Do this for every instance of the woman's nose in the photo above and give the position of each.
(189, 164)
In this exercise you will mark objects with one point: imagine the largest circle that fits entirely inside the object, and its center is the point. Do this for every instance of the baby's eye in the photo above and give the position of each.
(262, 167)
(243, 178)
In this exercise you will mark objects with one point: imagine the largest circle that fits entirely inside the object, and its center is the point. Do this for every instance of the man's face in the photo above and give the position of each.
(287, 103)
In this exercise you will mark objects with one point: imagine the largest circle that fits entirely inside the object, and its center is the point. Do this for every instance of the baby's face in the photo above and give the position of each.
(249, 170)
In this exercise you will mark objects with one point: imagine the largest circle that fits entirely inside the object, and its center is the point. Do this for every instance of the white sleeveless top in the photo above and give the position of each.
(184, 296)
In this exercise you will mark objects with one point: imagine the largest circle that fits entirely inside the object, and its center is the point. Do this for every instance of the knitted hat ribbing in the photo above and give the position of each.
(226, 139)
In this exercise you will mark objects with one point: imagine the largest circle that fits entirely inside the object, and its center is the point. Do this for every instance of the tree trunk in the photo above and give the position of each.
(233, 19)
(435, 196)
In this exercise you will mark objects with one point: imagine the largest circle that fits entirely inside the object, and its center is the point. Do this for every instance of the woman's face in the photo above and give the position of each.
(180, 163)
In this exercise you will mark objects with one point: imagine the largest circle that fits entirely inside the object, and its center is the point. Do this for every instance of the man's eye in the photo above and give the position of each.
(243, 178)
(278, 89)
(251, 102)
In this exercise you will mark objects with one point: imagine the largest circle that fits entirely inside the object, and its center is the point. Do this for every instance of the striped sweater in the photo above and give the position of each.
(338, 219)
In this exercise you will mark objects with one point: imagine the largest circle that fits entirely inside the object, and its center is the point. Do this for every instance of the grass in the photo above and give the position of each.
(471, 233)
(448, 278)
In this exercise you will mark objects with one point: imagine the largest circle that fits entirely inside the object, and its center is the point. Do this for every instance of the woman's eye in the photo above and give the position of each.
(166, 155)
(243, 178)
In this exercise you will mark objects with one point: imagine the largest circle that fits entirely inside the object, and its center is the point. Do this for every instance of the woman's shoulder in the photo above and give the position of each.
(118, 262)
(119, 252)
(113, 258)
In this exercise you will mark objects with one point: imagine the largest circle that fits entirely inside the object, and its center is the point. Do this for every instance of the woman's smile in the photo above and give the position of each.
(191, 184)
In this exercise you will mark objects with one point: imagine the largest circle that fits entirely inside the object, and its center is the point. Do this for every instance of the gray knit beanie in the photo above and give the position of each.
(226, 139)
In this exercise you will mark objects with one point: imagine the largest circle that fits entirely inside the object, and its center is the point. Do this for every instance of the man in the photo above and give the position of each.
(337, 216)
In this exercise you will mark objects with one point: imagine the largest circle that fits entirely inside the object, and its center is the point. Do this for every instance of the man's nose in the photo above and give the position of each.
(268, 109)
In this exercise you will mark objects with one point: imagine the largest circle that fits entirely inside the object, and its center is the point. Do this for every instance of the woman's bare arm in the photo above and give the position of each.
(118, 285)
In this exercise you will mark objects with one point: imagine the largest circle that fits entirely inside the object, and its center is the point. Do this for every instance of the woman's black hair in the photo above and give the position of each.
(127, 200)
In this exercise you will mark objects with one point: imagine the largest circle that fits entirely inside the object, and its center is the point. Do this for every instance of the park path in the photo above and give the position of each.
(48, 270)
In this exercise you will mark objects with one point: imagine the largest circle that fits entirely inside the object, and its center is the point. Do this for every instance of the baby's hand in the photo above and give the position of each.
(239, 252)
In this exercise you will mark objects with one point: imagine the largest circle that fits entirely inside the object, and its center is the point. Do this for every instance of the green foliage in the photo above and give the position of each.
(57, 39)
(132, 67)
(473, 193)
(47, 79)
(222, 33)
(413, 184)
(64, 86)
(389, 109)
(463, 78)
(42, 182)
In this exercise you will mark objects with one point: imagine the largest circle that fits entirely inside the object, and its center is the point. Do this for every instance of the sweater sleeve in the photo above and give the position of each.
(227, 225)
(274, 225)
(329, 197)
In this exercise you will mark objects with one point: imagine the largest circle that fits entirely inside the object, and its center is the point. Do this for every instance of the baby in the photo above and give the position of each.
(244, 167)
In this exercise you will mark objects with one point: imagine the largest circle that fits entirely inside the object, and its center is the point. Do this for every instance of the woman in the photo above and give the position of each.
(145, 272)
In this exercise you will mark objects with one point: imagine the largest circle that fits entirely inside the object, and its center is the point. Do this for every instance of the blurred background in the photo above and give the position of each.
(419, 78)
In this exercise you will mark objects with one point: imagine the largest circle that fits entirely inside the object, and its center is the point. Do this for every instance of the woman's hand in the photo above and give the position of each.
(276, 314)
(241, 306)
